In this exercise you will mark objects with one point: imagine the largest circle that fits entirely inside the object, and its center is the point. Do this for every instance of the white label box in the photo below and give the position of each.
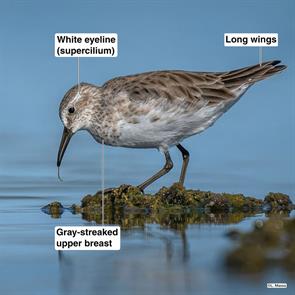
(251, 40)
(86, 45)
(277, 285)
(105, 237)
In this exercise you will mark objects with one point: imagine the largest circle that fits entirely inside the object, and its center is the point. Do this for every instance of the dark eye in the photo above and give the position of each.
(71, 110)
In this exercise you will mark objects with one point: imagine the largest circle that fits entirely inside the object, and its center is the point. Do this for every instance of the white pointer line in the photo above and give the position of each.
(78, 75)
(260, 55)
(102, 181)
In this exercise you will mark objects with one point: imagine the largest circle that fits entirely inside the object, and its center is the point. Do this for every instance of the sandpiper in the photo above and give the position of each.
(156, 109)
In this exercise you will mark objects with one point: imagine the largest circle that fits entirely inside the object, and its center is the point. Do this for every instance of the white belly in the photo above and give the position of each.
(170, 129)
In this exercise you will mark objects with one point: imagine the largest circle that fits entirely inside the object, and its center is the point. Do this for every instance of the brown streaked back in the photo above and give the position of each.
(191, 86)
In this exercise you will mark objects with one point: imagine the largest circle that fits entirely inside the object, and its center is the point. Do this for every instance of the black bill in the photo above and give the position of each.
(66, 137)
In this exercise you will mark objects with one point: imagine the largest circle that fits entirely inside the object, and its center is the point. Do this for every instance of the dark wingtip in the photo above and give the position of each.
(276, 67)
(281, 67)
(275, 62)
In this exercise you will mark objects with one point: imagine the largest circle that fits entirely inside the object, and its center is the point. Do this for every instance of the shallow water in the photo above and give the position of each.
(154, 259)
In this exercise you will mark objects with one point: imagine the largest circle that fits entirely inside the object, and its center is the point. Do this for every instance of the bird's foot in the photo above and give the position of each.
(140, 188)
(118, 190)
(107, 191)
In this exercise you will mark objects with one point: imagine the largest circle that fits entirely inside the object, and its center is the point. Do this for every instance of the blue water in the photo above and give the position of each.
(153, 259)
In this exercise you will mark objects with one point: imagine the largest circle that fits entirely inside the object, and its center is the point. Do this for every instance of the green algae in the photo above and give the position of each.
(176, 219)
(177, 197)
(128, 207)
(278, 201)
(176, 208)
(270, 243)
(55, 209)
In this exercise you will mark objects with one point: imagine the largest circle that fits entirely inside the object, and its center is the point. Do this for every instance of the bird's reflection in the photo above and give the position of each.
(151, 229)
(162, 243)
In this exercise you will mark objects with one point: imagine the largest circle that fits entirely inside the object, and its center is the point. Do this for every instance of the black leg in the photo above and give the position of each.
(167, 167)
(185, 157)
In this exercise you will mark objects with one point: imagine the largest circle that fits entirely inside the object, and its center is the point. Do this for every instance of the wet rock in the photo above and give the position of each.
(75, 209)
(270, 243)
(176, 197)
(55, 209)
(169, 219)
(241, 203)
(217, 203)
(123, 203)
(247, 259)
(277, 201)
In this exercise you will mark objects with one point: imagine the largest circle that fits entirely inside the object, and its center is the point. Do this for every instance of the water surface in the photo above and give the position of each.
(171, 258)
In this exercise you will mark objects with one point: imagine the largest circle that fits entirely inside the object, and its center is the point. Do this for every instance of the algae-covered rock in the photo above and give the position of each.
(122, 196)
(217, 203)
(288, 262)
(176, 197)
(128, 205)
(75, 209)
(240, 202)
(277, 201)
(168, 219)
(255, 250)
(55, 209)
(247, 259)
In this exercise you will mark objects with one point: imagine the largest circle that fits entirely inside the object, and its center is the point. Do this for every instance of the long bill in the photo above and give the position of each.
(66, 137)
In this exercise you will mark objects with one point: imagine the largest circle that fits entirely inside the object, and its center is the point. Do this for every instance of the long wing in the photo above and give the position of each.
(193, 87)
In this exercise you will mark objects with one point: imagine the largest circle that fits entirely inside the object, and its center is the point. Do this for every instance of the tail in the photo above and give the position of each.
(249, 75)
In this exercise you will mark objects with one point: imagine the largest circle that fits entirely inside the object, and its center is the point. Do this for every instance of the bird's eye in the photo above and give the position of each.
(71, 110)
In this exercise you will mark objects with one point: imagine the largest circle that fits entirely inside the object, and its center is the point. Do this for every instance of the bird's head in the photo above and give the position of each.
(75, 111)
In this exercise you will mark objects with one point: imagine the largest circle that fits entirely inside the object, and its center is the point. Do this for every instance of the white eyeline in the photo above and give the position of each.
(76, 98)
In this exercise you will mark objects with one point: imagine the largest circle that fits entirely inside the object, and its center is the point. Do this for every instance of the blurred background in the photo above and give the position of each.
(249, 150)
